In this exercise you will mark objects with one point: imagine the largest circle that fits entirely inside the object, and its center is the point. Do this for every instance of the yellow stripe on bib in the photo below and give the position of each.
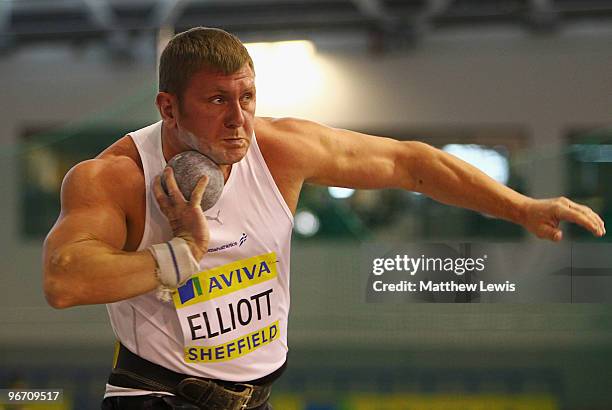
(233, 349)
(226, 279)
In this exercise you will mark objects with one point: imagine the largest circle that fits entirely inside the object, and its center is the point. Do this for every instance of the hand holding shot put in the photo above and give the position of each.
(178, 259)
(184, 215)
(223, 331)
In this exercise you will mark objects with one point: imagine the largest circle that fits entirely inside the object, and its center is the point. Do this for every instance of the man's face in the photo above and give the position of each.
(216, 114)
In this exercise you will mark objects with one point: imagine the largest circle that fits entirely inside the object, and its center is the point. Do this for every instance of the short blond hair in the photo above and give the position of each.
(198, 48)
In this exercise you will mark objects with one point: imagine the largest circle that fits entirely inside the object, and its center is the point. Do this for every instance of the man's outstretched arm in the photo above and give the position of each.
(336, 157)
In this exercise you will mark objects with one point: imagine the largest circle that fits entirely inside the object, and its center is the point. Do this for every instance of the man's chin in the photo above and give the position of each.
(229, 158)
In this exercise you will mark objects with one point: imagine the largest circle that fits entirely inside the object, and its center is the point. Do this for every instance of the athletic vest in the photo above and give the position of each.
(229, 321)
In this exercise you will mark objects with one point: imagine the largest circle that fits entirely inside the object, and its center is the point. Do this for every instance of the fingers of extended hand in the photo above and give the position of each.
(592, 215)
(570, 211)
(198, 191)
(597, 222)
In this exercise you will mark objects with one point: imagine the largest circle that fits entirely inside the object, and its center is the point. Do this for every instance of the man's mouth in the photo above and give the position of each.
(235, 141)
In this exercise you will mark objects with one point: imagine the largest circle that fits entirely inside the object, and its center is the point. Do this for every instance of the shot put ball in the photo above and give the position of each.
(189, 167)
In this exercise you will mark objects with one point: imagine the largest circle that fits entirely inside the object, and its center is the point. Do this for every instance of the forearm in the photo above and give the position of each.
(452, 181)
(91, 272)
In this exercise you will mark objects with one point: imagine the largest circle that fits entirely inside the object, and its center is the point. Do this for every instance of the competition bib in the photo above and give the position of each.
(229, 311)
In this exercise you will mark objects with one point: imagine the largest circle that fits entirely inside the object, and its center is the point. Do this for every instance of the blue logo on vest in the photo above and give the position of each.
(186, 292)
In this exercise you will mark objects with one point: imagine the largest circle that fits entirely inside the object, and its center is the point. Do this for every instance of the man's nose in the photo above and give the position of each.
(235, 117)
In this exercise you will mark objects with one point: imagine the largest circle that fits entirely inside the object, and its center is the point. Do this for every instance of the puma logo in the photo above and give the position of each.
(215, 218)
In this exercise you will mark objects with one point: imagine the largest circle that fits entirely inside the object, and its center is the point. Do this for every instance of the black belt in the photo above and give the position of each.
(133, 371)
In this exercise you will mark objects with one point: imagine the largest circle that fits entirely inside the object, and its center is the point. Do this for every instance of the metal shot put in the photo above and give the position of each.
(188, 167)
(218, 339)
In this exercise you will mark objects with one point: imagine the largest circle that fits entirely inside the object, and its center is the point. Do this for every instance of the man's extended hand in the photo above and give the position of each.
(542, 217)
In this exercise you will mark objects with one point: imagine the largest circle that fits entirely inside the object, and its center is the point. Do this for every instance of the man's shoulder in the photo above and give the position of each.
(124, 151)
(290, 147)
(278, 139)
(269, 127)
(284, 136)
(116, 171)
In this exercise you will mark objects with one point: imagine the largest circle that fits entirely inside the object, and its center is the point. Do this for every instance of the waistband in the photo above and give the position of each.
(133, 371)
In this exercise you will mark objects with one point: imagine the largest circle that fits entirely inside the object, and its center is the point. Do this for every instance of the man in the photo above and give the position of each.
(122, 240)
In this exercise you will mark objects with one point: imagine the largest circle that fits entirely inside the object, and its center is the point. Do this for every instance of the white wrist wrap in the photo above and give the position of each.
(175, 264)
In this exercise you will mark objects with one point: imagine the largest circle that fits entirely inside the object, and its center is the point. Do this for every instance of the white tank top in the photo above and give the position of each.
(229, 321)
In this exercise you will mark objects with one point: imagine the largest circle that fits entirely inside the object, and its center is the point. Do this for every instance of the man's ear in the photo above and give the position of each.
(167, 104)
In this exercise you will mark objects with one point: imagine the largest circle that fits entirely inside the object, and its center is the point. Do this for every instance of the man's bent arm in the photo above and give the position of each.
(90, 272)
(82, 258)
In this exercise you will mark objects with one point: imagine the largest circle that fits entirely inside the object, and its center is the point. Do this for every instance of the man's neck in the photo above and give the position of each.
(171, 146)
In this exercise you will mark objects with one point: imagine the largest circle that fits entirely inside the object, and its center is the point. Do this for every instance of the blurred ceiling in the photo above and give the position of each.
(382, 21)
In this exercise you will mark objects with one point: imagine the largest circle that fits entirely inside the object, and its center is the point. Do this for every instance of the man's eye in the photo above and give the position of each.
(217, 100)
(247, 97)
